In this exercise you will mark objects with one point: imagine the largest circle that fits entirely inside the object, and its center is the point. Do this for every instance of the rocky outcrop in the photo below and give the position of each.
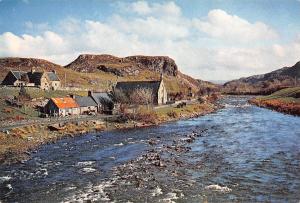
(131, 65)
(26, 63)
(265, 83)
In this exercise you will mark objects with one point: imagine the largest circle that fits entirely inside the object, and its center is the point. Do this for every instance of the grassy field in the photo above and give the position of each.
(8, 112)
(287, 95)
(285, 100)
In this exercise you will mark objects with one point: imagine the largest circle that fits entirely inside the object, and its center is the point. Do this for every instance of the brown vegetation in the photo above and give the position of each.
(279, 105)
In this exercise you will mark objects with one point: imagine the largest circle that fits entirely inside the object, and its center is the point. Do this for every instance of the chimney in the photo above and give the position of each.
(32, 70)
(72, 96)
(54, 71)
(90, 93)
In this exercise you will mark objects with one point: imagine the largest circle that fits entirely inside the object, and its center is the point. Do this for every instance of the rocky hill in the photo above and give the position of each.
(265, 83)
(15, 63)
(127, 66)
(101, 71)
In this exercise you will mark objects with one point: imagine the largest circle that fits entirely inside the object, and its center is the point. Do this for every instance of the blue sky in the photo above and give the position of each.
(214, 40)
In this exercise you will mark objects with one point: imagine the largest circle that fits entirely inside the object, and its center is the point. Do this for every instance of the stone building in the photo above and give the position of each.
(159, 92)
(104, 101)
(87, 105)
(43, 80)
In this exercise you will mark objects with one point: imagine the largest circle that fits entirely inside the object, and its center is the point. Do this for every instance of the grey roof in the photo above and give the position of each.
(35, 77)
(102, 98)
(52, 76)
(132, 85)
(85, 101)
(18, 74)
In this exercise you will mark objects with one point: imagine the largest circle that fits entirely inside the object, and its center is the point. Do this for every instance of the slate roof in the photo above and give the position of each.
(102, 98)
(35, 77)
(52, 76)
(85, 101)
(132, 85)
(18, 74)
(65, 102)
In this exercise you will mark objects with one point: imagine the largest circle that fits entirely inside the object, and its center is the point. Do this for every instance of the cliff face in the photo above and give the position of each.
(265, 83)
(127, 66)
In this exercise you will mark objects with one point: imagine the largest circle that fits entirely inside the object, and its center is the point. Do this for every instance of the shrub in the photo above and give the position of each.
(143, 115)
(172, 114)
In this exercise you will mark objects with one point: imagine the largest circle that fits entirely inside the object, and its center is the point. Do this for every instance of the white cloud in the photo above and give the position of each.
(220, 24)
(169, 9)
(161, 29)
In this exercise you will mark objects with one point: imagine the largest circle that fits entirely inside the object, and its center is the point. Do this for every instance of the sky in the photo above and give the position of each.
(208, 39)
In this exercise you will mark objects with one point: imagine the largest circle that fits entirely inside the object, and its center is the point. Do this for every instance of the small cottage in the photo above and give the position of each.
(87, 104)
(61, 107)
(159, 92)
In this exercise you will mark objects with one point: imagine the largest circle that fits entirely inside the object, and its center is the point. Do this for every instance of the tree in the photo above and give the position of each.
(119, 96)
(141, 96)
(23, 98)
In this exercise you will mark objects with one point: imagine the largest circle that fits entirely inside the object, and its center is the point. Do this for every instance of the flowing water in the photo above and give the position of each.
(243, 153)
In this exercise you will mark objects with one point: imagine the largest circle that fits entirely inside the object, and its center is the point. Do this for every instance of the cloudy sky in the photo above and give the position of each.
(209, 39)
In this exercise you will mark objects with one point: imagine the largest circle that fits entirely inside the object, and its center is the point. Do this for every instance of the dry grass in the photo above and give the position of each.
(286, 101)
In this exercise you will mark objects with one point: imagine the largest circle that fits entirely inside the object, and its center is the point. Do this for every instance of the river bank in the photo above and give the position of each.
(18, 143)
(239, 153)
(285, 101)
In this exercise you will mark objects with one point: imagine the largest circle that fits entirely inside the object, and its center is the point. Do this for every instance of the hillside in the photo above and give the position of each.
(286, 100)
(100, 72)
(127, 66)
(136, 68)
(265, 83)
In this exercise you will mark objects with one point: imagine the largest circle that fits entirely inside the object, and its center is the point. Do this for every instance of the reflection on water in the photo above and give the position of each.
(244, 154)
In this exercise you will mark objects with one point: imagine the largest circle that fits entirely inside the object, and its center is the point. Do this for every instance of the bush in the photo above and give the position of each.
(172, 114)
(143, 115)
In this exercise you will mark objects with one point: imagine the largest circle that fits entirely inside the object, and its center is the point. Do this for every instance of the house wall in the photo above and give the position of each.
(44, 83)
(19, 83)
(55, 85)
(51, 109)
(86, 109)
(162, 97)
(69, 112)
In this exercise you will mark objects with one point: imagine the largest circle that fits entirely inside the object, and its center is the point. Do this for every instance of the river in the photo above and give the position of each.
(239, 153)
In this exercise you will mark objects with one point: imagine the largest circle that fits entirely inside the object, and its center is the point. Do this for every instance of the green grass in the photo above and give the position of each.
(7, 111)
(38, 93)
(286, 95)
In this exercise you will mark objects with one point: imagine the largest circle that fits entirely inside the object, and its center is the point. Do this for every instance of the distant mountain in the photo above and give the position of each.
(265, 83)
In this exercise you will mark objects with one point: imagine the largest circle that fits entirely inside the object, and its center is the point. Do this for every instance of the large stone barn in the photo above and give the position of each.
(158, 89)
(43, 80)
(60, 107)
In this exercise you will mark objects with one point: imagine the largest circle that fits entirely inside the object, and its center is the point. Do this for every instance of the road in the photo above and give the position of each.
(49, 121)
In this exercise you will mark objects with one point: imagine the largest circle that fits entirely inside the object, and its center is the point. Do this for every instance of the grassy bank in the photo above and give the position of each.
(285, 100)
(8, 112)
(16, 144)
